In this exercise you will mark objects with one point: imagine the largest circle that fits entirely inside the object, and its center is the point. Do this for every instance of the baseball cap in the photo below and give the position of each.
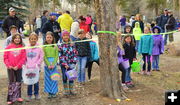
(11, 9)
(52, 14)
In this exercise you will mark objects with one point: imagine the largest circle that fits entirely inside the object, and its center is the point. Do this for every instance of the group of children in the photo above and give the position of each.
(83, 53)
(150, 46)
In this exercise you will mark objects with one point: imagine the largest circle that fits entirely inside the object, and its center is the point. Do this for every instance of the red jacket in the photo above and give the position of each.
(84, 26)
(14, 58)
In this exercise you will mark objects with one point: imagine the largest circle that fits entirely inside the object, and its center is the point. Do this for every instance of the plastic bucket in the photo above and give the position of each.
(136, 67)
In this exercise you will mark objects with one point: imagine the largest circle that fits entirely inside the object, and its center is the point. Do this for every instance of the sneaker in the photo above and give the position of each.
(49, 96)
(29, 98)
(53, 96)
(157, 70)
(130, 84)
(124, 87)
(148, 73)
(20, 100)
(143, 72)
(72, 93)
(9, 102)
(37, 97)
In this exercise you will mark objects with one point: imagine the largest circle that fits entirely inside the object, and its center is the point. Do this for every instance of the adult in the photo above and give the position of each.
(10, 20)
(38, 24)
(131, 20)
(89, 21)
(44, 18)
(65, 21)
(84, 26)
(53, 26)
(75, 28)
(163, 20)
(122, 23)
(170, 26)
(138, 19)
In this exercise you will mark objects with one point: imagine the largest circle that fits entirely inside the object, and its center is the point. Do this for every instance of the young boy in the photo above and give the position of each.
(13, 30)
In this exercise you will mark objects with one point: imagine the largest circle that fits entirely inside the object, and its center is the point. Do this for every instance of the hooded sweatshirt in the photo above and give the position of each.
(14, 58)
(65, 22)
(34, 57)
(137, 31)
(158, 44)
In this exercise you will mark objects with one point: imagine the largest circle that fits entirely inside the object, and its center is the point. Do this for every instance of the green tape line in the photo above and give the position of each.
(114, 33)
(40, 46)
(106, 32)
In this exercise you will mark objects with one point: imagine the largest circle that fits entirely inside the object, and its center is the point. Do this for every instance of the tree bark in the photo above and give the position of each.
(109, 73)
(98, 13)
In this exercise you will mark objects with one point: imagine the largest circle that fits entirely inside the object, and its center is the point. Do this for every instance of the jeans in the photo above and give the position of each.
(44, 37)
(64, 77)
(81, 68)
(137, 45)
(128, 75)
(155, 62)
(36, 89)
(123, 70)
(165, 39)
(146, 57)
(73, 38)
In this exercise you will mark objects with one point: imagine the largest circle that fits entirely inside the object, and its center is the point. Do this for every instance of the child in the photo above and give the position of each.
(145, 48)
(14, 61)
(137, 34)
(50, 58)
(34, 60)
(130, 53)
(158, 47)
(120, 53)
(128, 29)
(68, 60)
(93, 58)
(83, 49)
(13, 30)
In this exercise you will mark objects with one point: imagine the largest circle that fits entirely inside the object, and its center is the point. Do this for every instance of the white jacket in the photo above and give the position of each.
(74, 29)
(38, 22)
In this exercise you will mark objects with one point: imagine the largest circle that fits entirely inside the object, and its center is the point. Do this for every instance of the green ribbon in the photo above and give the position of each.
(114, 33)
(40, 46)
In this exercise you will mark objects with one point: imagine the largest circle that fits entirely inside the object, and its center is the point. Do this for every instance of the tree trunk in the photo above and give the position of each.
(98, 13)
(109, 73)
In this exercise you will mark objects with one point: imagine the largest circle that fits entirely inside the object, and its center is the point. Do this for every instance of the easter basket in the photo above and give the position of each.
(71, 74)
(30, 76)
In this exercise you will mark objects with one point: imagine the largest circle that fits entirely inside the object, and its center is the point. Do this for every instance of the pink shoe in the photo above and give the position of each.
(9, 102)
(148, 73)
(20, 100)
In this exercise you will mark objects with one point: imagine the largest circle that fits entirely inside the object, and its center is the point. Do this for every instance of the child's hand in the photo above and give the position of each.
(10, 67)
(49, 67)
(52, 67)
(134, 59)
(15, 68)
(67, 67)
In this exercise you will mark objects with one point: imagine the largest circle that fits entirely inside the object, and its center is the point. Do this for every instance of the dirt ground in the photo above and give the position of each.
(148, 90)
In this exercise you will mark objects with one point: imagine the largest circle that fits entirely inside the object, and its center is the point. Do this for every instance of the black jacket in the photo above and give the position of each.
(130, 52)
(162, 21)
(8, 22)
(83, 48)
(171, 23)
(141, 25)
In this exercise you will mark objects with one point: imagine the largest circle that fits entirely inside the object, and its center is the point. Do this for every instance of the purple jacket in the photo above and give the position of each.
(158, 45)
(120, 54)
(123, 21)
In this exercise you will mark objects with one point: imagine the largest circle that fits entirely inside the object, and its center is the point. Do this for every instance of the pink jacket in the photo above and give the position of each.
(14, 58)
(34, 57)
(88, 20)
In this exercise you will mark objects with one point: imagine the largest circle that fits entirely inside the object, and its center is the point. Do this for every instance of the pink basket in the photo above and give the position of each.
(125, 63)
(71, 74)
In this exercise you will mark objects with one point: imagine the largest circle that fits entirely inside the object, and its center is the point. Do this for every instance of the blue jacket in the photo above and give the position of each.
(94, 51)
(146, 44)
(162, 21)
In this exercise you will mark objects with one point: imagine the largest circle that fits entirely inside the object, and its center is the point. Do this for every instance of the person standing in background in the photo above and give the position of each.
(10, 20)
(38, 25)
(122, 23)
(138, 19)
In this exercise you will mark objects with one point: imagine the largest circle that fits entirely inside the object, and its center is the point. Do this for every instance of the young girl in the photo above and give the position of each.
(145, 48)
(68, 60)
(158, 47)
(34, 60)
(14, 61)
(93, 58)
(130, 54)
(50, 59)
(83, 49)
(137, 34)
(120, 53)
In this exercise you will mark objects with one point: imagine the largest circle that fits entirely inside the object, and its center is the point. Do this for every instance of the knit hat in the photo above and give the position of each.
(52, 14)
(65, 33)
